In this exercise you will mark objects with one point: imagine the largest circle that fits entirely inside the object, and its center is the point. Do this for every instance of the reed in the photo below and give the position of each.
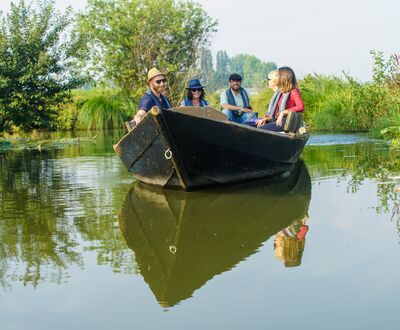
(104, 112)
(96, 109)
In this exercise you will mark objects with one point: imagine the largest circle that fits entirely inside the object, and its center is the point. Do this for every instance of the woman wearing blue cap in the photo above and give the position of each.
(195, 95)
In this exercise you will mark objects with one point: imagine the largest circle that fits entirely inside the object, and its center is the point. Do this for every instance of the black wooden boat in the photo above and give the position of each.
(192, 147)
(182, 240)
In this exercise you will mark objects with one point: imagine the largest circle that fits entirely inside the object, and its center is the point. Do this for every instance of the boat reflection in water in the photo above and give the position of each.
(182, 240)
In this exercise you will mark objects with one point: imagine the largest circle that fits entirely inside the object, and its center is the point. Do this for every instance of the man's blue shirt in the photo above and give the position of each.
(147, 102)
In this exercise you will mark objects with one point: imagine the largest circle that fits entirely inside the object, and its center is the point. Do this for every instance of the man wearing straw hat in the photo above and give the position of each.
(153, 97)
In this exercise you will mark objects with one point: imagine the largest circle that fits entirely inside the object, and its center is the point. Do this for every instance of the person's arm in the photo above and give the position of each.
(234, 107)
(139, 116)
(249, 109)
(295, 98)
(225, 105)
(145, 104)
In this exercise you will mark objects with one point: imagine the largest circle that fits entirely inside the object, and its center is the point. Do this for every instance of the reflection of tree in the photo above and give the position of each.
(356, 163)
(396, 215)
(51, 212)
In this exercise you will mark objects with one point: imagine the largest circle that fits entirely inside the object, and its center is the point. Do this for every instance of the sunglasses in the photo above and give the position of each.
(158, 82)
(196, 90)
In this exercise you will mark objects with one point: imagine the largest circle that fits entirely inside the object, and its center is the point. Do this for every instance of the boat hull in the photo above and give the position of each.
(195, 147)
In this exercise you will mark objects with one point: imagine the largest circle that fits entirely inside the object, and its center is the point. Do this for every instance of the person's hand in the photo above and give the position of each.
(262, 122)
(137, 119)
(247, 109)
(280, 118)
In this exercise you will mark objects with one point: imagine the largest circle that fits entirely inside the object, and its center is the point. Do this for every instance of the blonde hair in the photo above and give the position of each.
(274, 76)
(287, 79)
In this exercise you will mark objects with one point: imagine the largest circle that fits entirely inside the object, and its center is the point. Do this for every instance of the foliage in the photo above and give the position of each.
(128, 37)
(96, 108)
(206, 68)
(347, 105)
(222, 69)
(102, 112)
(252, 69)
(213, 99)
(37, 65)
(386, 71)
(260, 102)
(328, 103)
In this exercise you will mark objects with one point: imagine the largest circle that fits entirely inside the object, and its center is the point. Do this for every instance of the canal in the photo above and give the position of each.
(82, 245)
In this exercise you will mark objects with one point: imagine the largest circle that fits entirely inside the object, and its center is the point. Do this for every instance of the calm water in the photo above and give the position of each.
(83, 246)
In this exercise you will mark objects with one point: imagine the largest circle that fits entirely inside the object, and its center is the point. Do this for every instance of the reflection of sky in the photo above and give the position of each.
(337, 139)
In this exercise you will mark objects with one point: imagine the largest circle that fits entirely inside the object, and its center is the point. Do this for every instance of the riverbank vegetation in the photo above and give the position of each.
(347, 105)
(96, 108)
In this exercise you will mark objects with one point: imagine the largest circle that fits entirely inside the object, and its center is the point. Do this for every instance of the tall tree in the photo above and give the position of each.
(206, 66)
(37, 64)
(251, 68)
(222, 69)
(128, 37)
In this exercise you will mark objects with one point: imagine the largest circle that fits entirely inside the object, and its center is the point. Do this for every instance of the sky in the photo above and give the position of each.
(311, 36)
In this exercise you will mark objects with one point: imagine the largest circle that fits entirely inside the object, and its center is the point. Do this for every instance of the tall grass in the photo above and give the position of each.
(328, 103)
(103, 112)
(96, 109)
(335, 104)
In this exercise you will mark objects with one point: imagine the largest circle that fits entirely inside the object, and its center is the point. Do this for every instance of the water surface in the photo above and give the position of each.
(84, 246)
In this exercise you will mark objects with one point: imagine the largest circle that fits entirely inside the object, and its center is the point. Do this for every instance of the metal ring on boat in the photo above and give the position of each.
(172, 249)
(168, 153)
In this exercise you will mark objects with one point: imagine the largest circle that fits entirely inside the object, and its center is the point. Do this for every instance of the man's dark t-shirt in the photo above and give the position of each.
(150, 100)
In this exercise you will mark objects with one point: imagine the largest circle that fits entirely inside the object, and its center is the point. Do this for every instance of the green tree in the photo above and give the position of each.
(206, 67)
(37, 67)
(128, 37)
(222, 69)
(251, 68)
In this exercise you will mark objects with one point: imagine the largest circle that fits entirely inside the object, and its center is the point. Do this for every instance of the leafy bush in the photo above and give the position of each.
(37, 65)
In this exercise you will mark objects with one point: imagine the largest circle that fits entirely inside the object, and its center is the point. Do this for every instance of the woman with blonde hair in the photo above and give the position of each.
(286, 99)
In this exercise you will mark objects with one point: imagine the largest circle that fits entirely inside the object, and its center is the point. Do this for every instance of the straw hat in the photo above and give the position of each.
(154, 72)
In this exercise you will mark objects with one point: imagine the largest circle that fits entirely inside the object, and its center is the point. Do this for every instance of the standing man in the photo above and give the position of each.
(152, 97)
(235, 102)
